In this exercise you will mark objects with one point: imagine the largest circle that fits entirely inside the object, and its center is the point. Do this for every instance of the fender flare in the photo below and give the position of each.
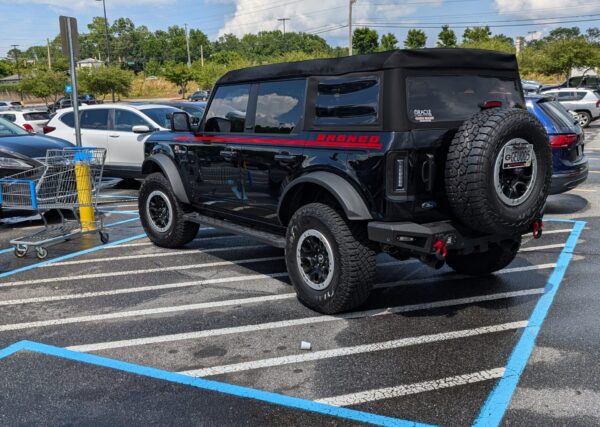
(169, 170)
(346, 195)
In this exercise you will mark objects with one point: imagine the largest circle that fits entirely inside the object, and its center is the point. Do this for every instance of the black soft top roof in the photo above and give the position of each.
(436, 58)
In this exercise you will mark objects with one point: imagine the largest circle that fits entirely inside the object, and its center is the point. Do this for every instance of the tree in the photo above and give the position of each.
(46, 84)
(593, 35)
(104, 80)
(6, 68)
(180, 75)
(446, 37)
(476, 34)
(389, 42)
(560, 56)
(152, 68)
(501, 38)
(415, 39)
(365, 40)
(562, 33)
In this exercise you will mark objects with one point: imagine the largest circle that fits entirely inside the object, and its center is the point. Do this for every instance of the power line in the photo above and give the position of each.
(455, 25)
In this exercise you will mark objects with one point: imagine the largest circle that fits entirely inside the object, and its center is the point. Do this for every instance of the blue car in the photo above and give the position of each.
(569, 164)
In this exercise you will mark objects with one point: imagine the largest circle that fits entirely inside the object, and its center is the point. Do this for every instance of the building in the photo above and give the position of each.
(90, 63)
(14, 79)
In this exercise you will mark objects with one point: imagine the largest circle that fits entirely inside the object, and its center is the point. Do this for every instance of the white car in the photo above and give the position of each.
(30, 120)
(10, 105)
(585, 102)
(119, 128)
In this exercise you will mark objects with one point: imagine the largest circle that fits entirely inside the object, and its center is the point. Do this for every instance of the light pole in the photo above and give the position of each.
(283, 20)
(107, 41)
(351, 3)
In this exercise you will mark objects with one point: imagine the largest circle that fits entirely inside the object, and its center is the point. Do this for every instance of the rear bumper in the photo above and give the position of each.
(566, 181)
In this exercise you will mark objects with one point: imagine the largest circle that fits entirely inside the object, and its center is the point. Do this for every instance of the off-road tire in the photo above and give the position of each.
(180, 231)
(355, 267)
(469, 174)
(498, 256)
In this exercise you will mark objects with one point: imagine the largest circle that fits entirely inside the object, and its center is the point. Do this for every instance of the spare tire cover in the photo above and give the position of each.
(498, 171)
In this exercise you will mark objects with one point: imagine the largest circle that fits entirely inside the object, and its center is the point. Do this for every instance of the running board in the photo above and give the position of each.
(262, 236)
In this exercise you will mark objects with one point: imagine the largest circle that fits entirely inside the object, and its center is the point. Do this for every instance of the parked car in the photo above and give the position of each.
(120, 128)
(585, 102)
(10, 105)
(66, 102)
(579, 82)
(200, 95)
(30, 120)
(426, 153)
(530, 86)
(569, 163)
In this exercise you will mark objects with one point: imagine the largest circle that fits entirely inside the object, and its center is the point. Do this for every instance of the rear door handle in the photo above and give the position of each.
(286, 157)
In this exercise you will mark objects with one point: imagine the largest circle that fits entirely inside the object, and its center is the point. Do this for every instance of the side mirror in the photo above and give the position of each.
(218, 124)
(195, 121)
(140, 129)
(180, 122)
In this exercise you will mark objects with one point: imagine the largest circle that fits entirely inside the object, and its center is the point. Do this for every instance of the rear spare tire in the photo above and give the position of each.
(498, 171)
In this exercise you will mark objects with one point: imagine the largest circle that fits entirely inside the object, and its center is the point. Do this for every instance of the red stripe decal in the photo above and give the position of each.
(371, 143)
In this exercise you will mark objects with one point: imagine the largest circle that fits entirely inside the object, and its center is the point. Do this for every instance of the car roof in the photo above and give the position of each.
(136, 107)
(436, 58)
(571, 89)
(22, 111)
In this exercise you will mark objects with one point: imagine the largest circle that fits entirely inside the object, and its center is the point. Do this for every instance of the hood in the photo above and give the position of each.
(32, 145)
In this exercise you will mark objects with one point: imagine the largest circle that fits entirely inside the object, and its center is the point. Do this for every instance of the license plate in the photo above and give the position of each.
(517, 155)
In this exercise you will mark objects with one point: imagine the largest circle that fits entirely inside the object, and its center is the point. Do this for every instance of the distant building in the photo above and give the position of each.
(90, 63)
(14, 79)
(576, 72)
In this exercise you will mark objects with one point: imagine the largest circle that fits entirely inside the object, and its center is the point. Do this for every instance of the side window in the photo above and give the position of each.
(126, 120)
(280, 106)
(9, 117)
(579, 95)
(347, 101)
(95, 119)
(68, 119)
(227, 111)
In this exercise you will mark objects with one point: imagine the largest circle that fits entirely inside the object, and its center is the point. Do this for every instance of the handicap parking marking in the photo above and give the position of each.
(230, 389)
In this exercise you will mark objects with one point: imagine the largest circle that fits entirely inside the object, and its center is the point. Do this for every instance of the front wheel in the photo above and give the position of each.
(498, 256)
(161, 214)
(328, 259)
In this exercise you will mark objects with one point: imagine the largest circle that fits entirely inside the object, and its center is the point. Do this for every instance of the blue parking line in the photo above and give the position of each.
(116, 196)
(496, 404)
(230, 389)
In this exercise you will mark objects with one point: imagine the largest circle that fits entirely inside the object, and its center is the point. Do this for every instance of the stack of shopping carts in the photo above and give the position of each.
(67, 180)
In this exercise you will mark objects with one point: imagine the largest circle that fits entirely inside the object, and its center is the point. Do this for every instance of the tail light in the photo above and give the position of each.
(563, 141)
(28, 127)
(490, 104)
(598, 104)
(48, 129)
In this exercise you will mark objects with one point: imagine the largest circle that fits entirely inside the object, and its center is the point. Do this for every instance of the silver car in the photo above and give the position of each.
(585, 102)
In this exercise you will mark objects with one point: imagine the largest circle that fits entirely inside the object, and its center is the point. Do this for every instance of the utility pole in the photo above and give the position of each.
(351, 3)
(283, 20)
(187, 42)
(107, 41)
(202, 55)
(49, 58)
(16, 52)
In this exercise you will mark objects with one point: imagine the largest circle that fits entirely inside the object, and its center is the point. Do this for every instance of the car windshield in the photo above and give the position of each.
(194, 111)
(457, 97)
(9, 129)
(36, 116)
(562, 119)
(161, 115)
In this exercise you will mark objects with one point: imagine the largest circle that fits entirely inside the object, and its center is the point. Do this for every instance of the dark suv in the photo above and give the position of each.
(424, 153)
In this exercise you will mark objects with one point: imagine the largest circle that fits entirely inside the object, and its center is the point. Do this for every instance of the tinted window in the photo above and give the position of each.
(566, 96)
(9, 117)
(455, 98)
(280, 106)
(68, 119)
(230, 104)
(580, 95)
(193, 110)
(161, 116)
(95, 119)
(347, 101)
(36, 116)
(562, 119)
(126, 120)
(9, 129)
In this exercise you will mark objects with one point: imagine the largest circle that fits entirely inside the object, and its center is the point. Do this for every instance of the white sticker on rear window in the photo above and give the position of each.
(423, 115)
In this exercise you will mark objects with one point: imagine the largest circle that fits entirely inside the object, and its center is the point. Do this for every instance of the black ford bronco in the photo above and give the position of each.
(425, 153)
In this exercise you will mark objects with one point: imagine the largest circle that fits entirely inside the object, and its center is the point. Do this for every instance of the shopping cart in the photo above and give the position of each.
(67, 179)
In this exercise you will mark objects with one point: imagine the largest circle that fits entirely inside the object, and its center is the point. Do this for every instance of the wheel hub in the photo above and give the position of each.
(159, 211)
(514, 185)
(315, 259)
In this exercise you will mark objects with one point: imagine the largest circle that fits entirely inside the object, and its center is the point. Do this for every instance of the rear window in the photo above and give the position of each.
(347, 101)
(36, 116)
(68, 119)
(562, 119)
(456, 98)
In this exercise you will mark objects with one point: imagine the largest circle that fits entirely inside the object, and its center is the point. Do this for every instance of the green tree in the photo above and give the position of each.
(6, 68)
(104, 80)
(593, 35)
(560, 56)
(503, 39)
(446, 37)
(562, 33)
(365, 40)
(389, 42)
(476, 34)
(415, 39)
(180, 75)
(153, 68)
(45, 84)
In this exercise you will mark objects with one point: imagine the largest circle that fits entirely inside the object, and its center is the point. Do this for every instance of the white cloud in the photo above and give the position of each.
(545, 8)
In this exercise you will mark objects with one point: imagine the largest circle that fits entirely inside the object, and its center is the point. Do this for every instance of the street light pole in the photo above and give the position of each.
(107, 41)
(187, 42)
(351, 3)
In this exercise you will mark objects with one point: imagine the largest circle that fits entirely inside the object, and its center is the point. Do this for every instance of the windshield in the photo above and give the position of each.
(562, 119)
(161, 115)
(9, 129)
(456, 98)
(194, 111)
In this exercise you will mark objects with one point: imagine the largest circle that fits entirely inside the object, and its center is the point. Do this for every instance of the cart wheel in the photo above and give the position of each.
(104, 237)
(20, 251)
(41, 252)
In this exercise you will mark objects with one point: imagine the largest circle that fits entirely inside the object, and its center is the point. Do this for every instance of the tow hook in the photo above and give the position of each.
(441, 249)
(537, 229)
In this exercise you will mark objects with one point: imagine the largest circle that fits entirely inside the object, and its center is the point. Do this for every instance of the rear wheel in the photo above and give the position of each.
(328, 258)
(161, 214)
(498, 256)
(584, 118)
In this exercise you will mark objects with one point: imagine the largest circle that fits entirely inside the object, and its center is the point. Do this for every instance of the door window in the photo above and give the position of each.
(566, 96)
(280, 106)
(125, 121)
(347, 101)
(227, 111)
(68, 119)
(579, 95)
(95, 119)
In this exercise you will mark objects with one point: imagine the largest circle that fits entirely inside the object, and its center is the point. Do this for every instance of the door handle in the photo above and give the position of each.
(286, 157)
(114, 136)
(228, 154)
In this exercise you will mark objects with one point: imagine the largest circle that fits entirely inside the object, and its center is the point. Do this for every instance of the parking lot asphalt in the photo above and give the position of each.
(129, 333)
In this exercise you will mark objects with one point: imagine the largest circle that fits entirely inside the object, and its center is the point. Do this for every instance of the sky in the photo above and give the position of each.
(30, 22)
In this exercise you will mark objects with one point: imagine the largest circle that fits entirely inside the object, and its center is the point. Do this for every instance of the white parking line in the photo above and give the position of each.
(348, 351)
(542, 248)
(404, 390)
(154, 255)
(296, 322)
